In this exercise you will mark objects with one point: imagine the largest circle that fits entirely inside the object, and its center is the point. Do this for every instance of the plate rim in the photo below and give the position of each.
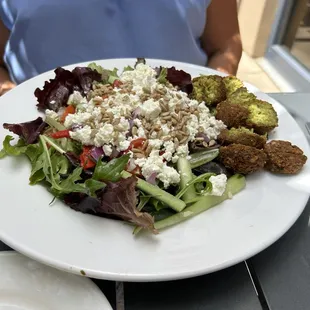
(165, 276)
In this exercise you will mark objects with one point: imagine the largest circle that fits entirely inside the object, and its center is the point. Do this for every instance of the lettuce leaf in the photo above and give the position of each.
(181, 79)
(107, 76)
(56, 92)
(29, 131)
(110, 171)
(120, 199)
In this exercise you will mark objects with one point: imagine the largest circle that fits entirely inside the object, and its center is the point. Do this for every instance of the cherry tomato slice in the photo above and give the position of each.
(61, 134)
(117, 83)
(70, 109)
(85, 158)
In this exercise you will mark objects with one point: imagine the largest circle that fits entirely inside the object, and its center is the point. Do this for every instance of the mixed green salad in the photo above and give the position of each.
(139, 146)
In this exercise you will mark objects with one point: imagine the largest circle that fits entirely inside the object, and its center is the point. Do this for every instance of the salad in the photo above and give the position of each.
(148, 146)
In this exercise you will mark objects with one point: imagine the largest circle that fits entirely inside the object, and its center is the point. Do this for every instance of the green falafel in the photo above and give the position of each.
(232, 83)
(209, 88)
(242, 136)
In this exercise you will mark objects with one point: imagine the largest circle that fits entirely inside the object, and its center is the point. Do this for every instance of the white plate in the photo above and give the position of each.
(29, 285)
(218, 238)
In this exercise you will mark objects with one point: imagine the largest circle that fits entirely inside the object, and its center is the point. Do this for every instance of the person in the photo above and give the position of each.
(41, 35)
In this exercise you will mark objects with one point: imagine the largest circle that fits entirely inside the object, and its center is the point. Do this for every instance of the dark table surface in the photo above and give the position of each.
(281, 274)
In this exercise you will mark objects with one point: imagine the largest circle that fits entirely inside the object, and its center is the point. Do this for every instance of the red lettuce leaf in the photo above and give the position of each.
(55, 92)
(82, 203)
(85, 77)
(181, 79)
(29, 131)
(119, 199)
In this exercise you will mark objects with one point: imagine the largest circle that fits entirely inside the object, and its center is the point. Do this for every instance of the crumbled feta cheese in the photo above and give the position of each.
(83, 135)
(52, 114)
(219, 183)
(168, 176)
(141, 132)
(137, 122)
(104, 135)
(123, 145)
(155, 164)
(79, 118)
(76, 98)
(107, 150)
(156, 143)
(150, 109)
(183, 150)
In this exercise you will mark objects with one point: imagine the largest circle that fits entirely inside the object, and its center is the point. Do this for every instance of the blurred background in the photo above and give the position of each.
(276, 44)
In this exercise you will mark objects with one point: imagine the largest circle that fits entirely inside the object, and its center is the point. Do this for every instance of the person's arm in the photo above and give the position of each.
(221, 38)
(5, 81)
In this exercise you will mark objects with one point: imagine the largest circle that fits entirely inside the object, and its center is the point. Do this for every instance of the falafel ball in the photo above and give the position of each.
(241, 95)
(283, 157)
(232, 115)
(242, 136)
(262, 116)
(232, 83)
(242, 158)
(209, 88)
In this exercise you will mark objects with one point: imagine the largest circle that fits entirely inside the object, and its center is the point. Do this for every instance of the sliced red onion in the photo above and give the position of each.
(129, 133)
(96, 152)
(136, 113)
(152, 178)
(203, 135)
(76, 127)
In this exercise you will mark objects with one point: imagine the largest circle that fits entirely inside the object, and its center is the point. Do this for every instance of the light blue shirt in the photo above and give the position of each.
(46, 34)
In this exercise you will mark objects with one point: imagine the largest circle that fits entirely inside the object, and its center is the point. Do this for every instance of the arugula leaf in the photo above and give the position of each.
(69, 184)
(93, 186)
(107, 76)
(96, 67)
(37, 173)
(158, 205)
(128, 68)
(110, 171)
(162, 77)
(33, 151)
(112, 75)
(70, 146)
(12, 150)
(60, 165)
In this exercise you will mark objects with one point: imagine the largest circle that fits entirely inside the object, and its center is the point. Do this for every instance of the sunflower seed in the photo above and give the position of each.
(116, 121)
(212, 142)
(139, 155)
(166, 138)
(183, 140)
(134, 150)
(134, 130)
(159, 134)
(145, 145)
(167, 118)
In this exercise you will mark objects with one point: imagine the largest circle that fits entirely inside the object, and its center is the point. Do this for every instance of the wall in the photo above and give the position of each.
(256, 18)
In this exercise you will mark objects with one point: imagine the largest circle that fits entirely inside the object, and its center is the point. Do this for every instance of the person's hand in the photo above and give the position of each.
(6, 86)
